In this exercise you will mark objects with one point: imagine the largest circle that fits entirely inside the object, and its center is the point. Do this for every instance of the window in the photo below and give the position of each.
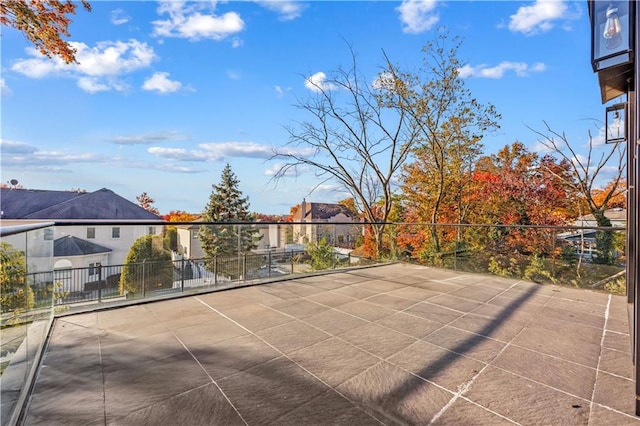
(152, 230)
(93, 268)
(115, 232)
(48, 234)
(91, 233)
(194, 235)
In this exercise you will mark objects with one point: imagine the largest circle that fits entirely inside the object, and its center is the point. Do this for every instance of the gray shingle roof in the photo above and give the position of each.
(102, 204)
(74, 246)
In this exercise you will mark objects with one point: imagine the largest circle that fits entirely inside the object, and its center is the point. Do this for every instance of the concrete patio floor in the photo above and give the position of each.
(394, 344)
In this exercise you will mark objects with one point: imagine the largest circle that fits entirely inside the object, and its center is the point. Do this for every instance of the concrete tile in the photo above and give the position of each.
(270, 391)
(355, 292)
(395, 396)
(230, 356)
(156, 347)
(380, 286)
(333, 361)
(465, 413)
(497, 328)
(605, 416)
(391, 302)
(365, 310)
(619, 325)
(563, 375)
(413, 293)
(299, 308)
(572, 330)
(256, 318)
(302, 289)
(526, 402)
(437, 365)
(210, 332)
(377, 339)
(477, 293)
(471, 345)
(435, 313)
(559, 344)
(608, 390)
(331, 299)
(571, 316)
(616, 362)
(293, 336)
(409, 324)
(329, 408)
(618, 341)
(197, 406)
(335, 322)
(438, 286)
(57, 400)
(138, 386)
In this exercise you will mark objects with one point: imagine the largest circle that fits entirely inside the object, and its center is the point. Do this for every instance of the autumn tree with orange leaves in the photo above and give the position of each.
(44, 23)
(586, 171)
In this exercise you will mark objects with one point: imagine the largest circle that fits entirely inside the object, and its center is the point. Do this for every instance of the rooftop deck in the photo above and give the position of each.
(394, 344)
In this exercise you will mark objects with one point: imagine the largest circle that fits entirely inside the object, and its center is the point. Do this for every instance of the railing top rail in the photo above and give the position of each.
(6, 231)
(255, 223)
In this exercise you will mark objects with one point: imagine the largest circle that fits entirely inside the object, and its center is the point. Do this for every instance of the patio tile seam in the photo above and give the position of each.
(104, 386)
(466, 386)
(327, 385)
(602, 338)
(210, 378)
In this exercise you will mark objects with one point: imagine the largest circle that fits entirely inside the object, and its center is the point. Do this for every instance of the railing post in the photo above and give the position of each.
(244, 266)
(269, 264)
(182, 274)
(215, 270)
(99, 266)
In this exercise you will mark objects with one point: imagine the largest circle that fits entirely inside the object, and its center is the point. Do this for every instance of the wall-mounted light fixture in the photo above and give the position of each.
(616, 123)
(612, 33)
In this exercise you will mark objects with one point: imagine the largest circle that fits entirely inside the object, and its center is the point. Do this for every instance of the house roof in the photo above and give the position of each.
(74, 246)
(617, 214)
(102, 204)
(325, 210)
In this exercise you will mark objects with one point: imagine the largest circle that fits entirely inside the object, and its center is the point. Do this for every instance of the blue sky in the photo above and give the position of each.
(166, 93)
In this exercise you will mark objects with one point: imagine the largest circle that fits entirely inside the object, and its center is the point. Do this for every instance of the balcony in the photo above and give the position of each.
(393, 343)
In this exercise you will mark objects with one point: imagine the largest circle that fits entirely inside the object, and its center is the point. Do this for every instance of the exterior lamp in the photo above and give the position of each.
(616, 123)
(612, 33)
(612, 28)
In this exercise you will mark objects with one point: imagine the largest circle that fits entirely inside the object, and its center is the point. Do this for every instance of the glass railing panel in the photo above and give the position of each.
(26, 303)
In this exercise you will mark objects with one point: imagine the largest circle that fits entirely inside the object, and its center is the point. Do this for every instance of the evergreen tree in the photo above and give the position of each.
(226, 204)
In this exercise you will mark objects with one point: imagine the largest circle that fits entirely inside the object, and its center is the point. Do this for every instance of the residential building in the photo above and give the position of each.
(80, 245)
(332, 222)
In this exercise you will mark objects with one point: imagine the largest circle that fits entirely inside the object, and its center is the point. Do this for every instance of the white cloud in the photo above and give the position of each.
(187, 21)
(4, 89)
(234, 75)
(160, 82)
(149, 138)
(180, 154)
(417, 16)
(119, 17)
(92, 85)
(98, 67)
(521, 69)
(13, 147)
(289, 172)
(538, 17)
(383, 81)
(318, 82)
(218, 151)
(288, 10)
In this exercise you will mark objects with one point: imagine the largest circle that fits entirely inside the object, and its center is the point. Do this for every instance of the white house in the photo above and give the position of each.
(79, 245)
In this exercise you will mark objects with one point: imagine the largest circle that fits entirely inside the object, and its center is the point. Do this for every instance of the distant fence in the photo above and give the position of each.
(146, 279)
